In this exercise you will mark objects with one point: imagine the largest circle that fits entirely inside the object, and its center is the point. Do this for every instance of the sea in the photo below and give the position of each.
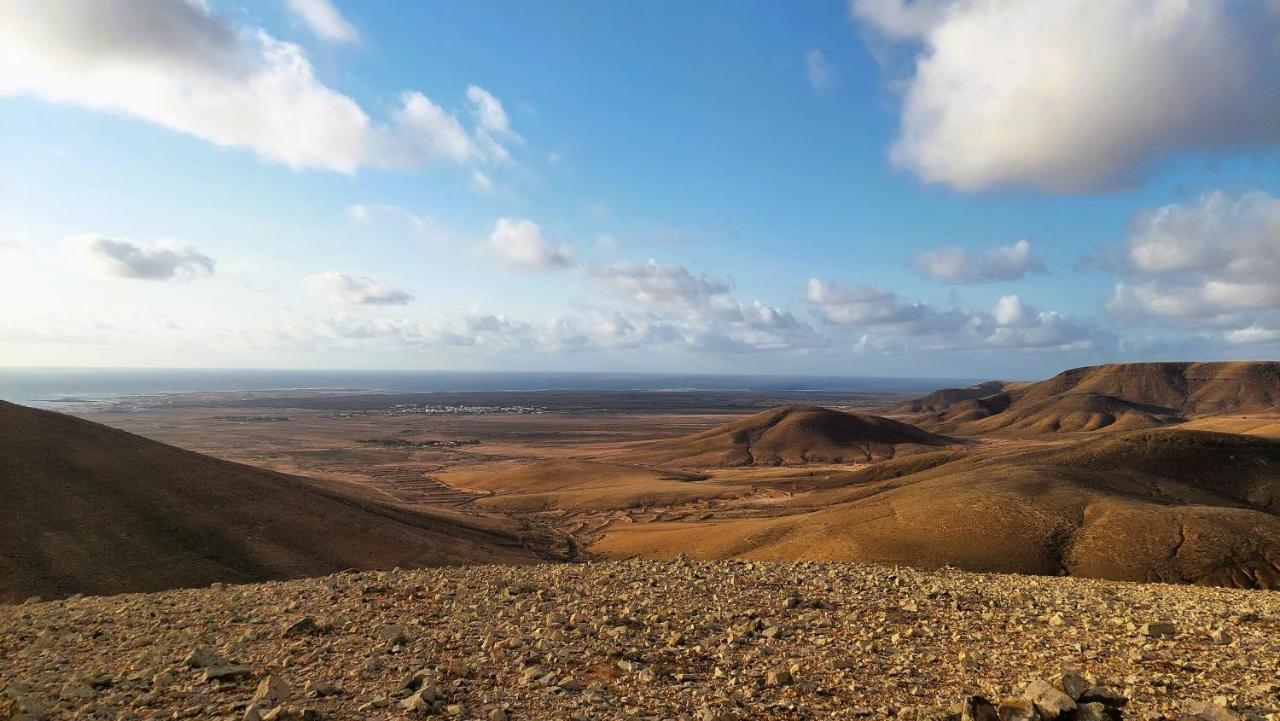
(36, 386)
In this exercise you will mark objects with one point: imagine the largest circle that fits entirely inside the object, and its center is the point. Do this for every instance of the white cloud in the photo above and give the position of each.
(1079, 95)
(345, 289)
(324, 20)
(899, 18)
(959, 266)
(367, 212)
(817, 71)
(480, 181)
(1253, 335)
(182, 66)
(889, 323)
(654, 284)
(162, 260)
(519, 243)
(1208, 265)
(490, 115)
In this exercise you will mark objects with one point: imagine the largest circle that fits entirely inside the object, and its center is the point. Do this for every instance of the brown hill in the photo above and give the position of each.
(946, 398)
(91, 509)
(789, 435)
(1124, 396)
(1165, 505)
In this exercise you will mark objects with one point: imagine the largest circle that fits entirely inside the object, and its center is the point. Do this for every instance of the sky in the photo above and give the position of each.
(951, 188)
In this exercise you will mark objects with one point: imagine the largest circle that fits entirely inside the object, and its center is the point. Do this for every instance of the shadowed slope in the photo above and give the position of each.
(789, 435)
(91, 509)
(1165, 505)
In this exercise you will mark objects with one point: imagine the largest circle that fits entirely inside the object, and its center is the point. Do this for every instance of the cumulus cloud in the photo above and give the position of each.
(889, 323)
(180, 65)
(817, 71)
(519, 243)
(345, 289)
(959, 266)
(162, 260)
(653, 283)
(324, 20)
(1078, 95)
(1212, 263)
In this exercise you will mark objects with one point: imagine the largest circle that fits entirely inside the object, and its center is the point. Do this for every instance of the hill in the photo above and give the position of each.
(789, 435)
(91, 509)
(712, 641)
(1124, 396)
(1166, 505)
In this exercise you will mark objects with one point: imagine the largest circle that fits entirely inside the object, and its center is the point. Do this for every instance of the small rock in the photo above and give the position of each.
(1157, 630)
(780, 677)
(303, 626)
(1208, 711)
(272, 691)
(1094, 711)
(1049, 701)
(1071, 682)
(1104, 696)
(1016, 709)
(201, 657)
(977, 708)
(230, 672)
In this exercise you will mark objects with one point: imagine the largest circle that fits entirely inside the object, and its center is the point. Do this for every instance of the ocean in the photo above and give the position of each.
(60, 385)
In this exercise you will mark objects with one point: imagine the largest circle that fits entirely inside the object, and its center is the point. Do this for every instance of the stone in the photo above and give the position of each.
(1071, 682)
(778, 677)
(201, 657)
(1103, 695)
(302, 627)
(1049, 702)
(1094, 711)
(230, 672)
(1016, 709)
(1160, 629)
(272, 691)
(1209, 711)
(977, 708)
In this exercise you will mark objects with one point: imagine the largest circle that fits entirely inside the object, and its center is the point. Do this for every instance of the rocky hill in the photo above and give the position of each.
(672, 640)
(789, 435)
(1123, 396)
(87, 508)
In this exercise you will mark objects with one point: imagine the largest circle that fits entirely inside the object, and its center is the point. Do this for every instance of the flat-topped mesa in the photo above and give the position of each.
(1121, 396)
(790, 435)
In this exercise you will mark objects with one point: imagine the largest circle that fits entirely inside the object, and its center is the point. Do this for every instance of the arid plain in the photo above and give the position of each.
(1148, 472)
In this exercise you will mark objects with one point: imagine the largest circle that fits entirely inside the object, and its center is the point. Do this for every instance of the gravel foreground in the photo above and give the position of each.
(648, 640)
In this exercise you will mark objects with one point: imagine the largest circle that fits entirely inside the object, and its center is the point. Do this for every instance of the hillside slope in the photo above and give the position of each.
(789, 435)
(91, 509)
(1123, 396)
(1166, 505)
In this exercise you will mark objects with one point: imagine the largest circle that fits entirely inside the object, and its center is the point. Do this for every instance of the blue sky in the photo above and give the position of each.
(878, 187)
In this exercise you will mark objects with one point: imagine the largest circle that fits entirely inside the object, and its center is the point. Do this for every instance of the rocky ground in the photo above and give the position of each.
(649, 640)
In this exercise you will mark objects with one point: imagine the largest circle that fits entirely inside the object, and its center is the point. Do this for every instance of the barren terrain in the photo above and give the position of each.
(647, 640)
